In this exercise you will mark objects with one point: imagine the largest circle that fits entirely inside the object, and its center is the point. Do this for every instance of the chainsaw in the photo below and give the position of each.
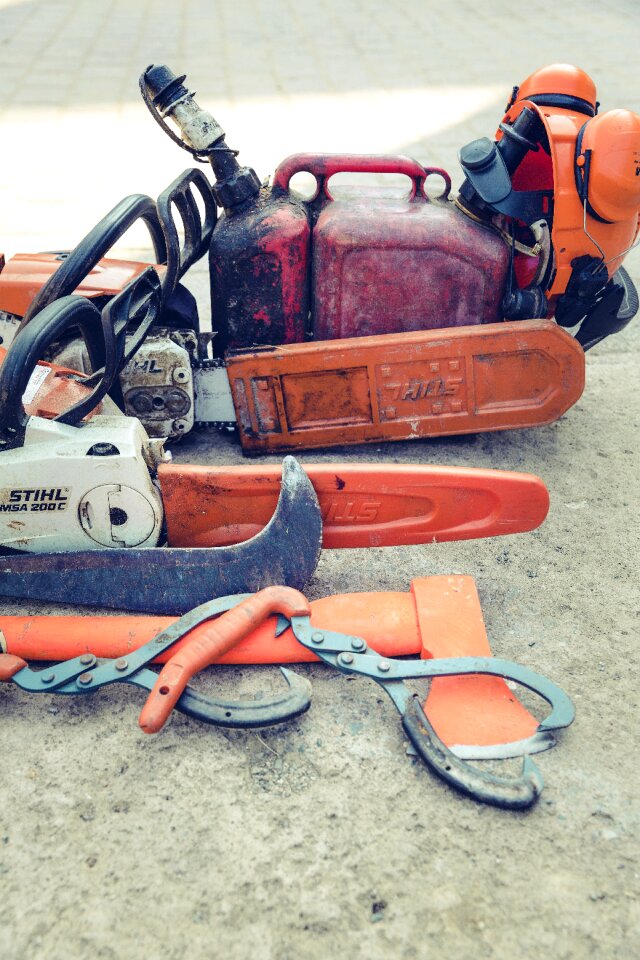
(366, 316)
(92, 510)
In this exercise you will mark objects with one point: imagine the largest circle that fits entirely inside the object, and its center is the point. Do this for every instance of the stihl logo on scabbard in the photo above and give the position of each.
(34, 499)
(363, 511)
(421, 389)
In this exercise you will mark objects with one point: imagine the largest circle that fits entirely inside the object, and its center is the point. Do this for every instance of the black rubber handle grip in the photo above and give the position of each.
(29, 346)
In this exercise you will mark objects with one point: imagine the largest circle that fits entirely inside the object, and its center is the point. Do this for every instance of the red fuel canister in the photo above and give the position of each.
(260, 267)
(383, 263)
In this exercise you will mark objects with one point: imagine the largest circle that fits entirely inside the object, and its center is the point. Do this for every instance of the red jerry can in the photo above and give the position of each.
(368, 262)
(260, 265)
(386, 263)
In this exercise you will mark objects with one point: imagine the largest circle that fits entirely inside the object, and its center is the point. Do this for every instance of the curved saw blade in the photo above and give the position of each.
(168, 580)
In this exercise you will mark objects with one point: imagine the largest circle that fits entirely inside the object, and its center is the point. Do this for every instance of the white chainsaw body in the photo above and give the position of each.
(80, 488)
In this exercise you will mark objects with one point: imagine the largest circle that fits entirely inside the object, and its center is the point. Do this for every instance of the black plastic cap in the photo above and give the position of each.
(163, 86)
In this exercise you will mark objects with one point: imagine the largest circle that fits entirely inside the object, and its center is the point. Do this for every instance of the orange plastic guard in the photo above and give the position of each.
(497, 376)
(440, 617)
(363, 505)
(51, 390)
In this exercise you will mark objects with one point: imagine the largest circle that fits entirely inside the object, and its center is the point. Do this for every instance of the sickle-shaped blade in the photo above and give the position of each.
(167, 580)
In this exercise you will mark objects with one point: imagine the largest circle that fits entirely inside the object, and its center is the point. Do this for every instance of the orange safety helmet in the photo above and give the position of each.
(559, 85)
(595, 162)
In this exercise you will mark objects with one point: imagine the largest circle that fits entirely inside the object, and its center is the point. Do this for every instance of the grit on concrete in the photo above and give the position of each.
(321, 838)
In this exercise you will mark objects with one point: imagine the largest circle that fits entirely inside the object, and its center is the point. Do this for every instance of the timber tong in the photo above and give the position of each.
(240, 615)
(237, 616)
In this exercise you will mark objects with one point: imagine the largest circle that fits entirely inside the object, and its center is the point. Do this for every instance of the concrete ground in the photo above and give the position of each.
(321, 838)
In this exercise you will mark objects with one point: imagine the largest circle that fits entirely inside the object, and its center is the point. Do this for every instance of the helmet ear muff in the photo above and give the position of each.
(607, 166)
(582, 171)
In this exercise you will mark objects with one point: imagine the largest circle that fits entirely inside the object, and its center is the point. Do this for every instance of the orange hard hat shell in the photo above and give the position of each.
(559, 79)
(614, 175)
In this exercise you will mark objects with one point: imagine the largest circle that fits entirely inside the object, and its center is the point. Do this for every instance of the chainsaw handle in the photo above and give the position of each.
(97, 243)
(29, 346)
(181, 194)
(210, 643)
(323, 166)
(104, 335)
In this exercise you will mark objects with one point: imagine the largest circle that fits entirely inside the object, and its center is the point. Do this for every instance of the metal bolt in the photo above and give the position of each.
(384, 666)
(358, 644)
(85, 678)
(87, 659)
(347, 658)
(48, 678)
(317, 637)
(121, 664)
(180, 374)
(180, 425)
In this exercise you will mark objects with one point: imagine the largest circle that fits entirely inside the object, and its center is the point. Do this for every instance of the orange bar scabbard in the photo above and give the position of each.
(362, 505)
(440, 617)
(402, 386)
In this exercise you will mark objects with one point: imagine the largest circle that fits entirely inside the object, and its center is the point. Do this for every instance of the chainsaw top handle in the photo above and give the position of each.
(104, 335)
(97, 243)
(181, 196)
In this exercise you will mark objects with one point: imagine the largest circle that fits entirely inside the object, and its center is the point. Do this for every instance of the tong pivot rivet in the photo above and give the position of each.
(85, 679)
(384, 666)
(48, 678)
(347, 658)
(121, 664)
(317, 637)
(86, 659)
(358, 644)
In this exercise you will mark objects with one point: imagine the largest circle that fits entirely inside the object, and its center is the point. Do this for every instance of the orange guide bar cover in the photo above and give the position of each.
(362, 505)
(401, 386)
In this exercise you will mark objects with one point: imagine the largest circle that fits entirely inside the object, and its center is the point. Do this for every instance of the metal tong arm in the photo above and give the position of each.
(84, 675)
(209, 645)
(351, 655)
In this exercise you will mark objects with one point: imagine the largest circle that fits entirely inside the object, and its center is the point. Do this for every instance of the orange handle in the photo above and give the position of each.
(10, 665)
(210, 643)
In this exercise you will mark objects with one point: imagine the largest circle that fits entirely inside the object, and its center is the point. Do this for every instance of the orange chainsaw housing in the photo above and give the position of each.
(440, 617)
(24, 275)
(54, 390)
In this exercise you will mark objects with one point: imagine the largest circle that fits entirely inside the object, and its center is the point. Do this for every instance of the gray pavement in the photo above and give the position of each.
(321, 838)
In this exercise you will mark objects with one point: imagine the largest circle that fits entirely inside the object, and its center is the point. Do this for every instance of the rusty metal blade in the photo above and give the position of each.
(168, 580)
